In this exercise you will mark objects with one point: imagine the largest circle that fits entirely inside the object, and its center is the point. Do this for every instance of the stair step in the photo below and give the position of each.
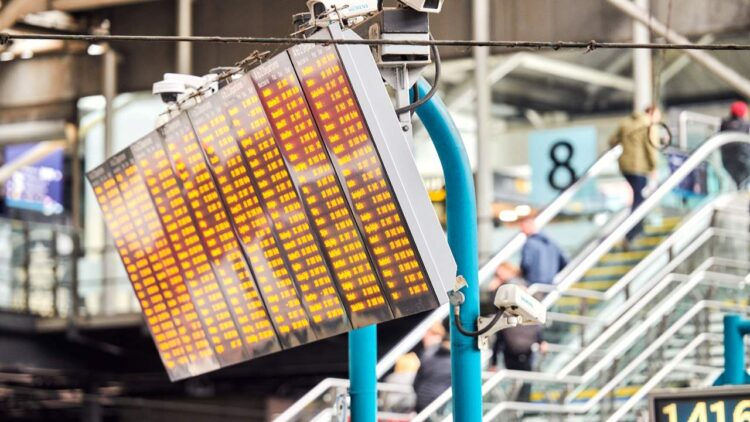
(624, 257)
(599, 283)
(622, 393)
(604, 271)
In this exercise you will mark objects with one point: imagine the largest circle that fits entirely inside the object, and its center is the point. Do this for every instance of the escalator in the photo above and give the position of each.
(610, 309)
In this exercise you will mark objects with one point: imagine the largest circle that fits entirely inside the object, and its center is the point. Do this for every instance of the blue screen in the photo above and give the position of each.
(36, 187)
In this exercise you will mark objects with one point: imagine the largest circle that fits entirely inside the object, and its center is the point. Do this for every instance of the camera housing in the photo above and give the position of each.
(427, 6)
(169, 91)
(517, 302)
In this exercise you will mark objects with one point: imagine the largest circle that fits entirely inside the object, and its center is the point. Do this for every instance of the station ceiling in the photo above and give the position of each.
(524, 88)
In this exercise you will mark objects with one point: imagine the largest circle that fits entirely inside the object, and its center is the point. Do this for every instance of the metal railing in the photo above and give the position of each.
(497, 410)
(576, 268)
(652, 347)
(687, 284)
(485, 273)
(35, 267)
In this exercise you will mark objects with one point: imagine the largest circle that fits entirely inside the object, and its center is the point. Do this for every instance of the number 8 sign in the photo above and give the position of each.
(558, 158)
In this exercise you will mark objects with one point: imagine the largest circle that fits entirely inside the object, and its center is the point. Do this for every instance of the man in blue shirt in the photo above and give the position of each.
(541, 258)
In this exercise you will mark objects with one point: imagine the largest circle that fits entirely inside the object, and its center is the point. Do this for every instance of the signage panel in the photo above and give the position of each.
(715, 404)
(279, 211)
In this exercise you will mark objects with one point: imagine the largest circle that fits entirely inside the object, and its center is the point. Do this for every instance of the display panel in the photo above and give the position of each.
(349, 142)
(237, 297)
(275, 190)
(38, 186)
(171, 301)
(171, 351)
(313, 173)
(182, 232)
(320, 306)
(282, 209)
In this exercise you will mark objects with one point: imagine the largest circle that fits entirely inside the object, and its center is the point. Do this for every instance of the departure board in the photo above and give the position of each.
(347, 137)
(283, 209)
(236, 294)
(322, 195)
(275, 274)
(171, 302)
(160, 324)
(276, 191)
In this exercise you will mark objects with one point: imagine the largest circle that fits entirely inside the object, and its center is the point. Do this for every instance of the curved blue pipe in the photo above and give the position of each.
(735, 330)
(363, 358)
(461, 214)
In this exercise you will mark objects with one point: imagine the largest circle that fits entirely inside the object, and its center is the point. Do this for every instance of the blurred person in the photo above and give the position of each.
(505, 272)
(434, 374)
(516, 345)
(404, 373)
(541, 258)
(639, 138)
(736, 157)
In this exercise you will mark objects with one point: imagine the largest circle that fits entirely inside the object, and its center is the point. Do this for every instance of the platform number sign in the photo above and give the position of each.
(558, 158)
(717, 404)
(562, 175)
(279, 211)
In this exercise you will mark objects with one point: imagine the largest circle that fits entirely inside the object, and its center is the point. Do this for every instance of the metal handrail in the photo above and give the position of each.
(493, 413)
(686, 116)
(638, 301)
(574, 271)
(567, 277)
(642, 357)
(616, 320)
(557, 290)
(687, 284)
(485, 273)
(550, 211)
(329, 383)
(488, 269)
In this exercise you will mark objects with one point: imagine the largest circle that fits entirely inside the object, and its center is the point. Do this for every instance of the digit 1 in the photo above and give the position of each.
(671, 412)
(718, 409)
(700, 413)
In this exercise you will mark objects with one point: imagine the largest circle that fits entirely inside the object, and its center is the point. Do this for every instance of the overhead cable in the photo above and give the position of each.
(538, 45)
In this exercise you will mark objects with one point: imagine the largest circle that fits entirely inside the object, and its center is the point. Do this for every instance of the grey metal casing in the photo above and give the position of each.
(399, 164)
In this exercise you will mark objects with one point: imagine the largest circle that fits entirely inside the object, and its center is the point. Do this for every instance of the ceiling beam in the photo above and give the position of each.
(77, 5)
(13, 10)
(708, 61)
(16, 9)
(681, 62)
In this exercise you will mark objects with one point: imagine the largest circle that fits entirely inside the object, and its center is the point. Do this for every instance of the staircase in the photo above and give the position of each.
(622, 322)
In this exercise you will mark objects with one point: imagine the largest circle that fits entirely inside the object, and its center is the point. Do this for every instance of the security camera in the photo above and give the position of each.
(176, 85)
(428, 6)
(322, 12)
(169, 91)
(515, 307)
(515, 301)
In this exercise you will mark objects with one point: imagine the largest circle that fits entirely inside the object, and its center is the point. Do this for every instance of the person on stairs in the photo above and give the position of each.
(736, 157)
(639, 136)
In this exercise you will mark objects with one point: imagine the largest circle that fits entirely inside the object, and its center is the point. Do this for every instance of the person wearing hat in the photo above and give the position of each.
(735, 156)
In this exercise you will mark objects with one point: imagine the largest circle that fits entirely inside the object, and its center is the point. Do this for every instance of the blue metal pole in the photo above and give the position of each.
(735, 329)
(461, 213)
(363, 357)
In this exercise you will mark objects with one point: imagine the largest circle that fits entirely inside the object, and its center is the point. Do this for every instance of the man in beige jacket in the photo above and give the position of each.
(639, 136)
